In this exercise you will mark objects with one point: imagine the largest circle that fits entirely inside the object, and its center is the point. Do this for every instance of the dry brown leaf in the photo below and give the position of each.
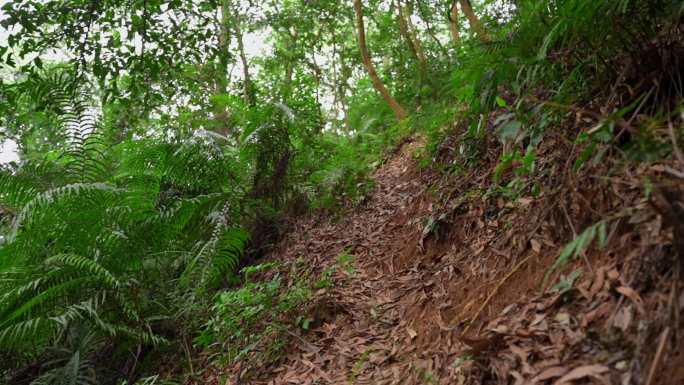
(634, 296)
(598, 283)
(549, 373)
(623, 318)
(519, 379)
(582, 372)
(613, 275)
(525, 201)
(536, 245)
(599, 312)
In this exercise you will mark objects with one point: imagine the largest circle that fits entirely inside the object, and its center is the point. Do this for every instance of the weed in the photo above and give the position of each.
(567, 283)
(250, 319)
(424, 374)
(325, 280)
(462, 359)
(346, 260)
(432, 225)
(250, 270)
(358, 366)
(578, 245)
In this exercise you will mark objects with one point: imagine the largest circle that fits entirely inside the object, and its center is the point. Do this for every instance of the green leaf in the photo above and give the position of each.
(500, 102)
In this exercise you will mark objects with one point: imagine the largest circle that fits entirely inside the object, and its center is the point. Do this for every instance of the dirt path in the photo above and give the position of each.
(367, 335)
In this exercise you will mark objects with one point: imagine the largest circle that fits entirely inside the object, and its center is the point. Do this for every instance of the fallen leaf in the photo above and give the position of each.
(582, 372)
(519, 379)
(634, 296)
(613, 275)
(563, 318)
(600, 311)
(598, 283)
(536, 246)
(549, 373)
(412, 333)
(623, 318)
(525, 201)
(480, 345)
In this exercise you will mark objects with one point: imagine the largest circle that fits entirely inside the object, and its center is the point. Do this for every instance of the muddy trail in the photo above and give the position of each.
(443, 285)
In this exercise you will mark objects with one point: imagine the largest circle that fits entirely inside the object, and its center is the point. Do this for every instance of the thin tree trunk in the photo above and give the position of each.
(403, 30)
(399, 111)
(221, 69)
(250, 94)
(453, 23)
(415, 41)
(289, 67)
(475, 23)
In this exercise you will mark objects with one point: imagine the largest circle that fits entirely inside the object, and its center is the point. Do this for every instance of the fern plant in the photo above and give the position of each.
(111, 235)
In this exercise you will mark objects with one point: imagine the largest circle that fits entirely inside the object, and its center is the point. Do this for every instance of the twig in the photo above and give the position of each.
(311, 347)
(189, 356)
(673, 172)
(674, 304)
(677, 153)
(494, 292)
(136, 357)
(658, 356)
(675, 147)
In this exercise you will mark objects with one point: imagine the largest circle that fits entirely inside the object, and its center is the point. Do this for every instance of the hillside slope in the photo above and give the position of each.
(442, 286)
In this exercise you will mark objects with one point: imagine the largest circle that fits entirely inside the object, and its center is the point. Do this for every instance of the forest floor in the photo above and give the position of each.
(444, 286)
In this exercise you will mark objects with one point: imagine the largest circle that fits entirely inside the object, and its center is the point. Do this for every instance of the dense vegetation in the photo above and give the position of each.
(160, 155)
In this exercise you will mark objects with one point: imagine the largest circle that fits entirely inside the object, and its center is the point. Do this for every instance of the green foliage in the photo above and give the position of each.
(579, 245)
(549, 55)
(567, 283)
(345, 261)
(71, 365)
(111, 240)
(250, 319)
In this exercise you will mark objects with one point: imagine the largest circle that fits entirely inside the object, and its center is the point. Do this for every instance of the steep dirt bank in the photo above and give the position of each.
(446, 285)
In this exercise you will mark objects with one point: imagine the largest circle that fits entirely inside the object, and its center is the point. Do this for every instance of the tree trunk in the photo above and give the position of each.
(475, 23)
(399, 111)
(412, 35)
(293, 37)
(250, 94)
(453, 23)
(403, 30)
(221, 69)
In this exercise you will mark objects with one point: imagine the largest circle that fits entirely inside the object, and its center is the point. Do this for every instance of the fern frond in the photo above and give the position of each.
(24, 333)
(14, 192)
(88, 265)
(50, 196)
(52, 292)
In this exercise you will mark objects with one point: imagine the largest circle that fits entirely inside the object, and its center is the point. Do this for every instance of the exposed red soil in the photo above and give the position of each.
(464, 302)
